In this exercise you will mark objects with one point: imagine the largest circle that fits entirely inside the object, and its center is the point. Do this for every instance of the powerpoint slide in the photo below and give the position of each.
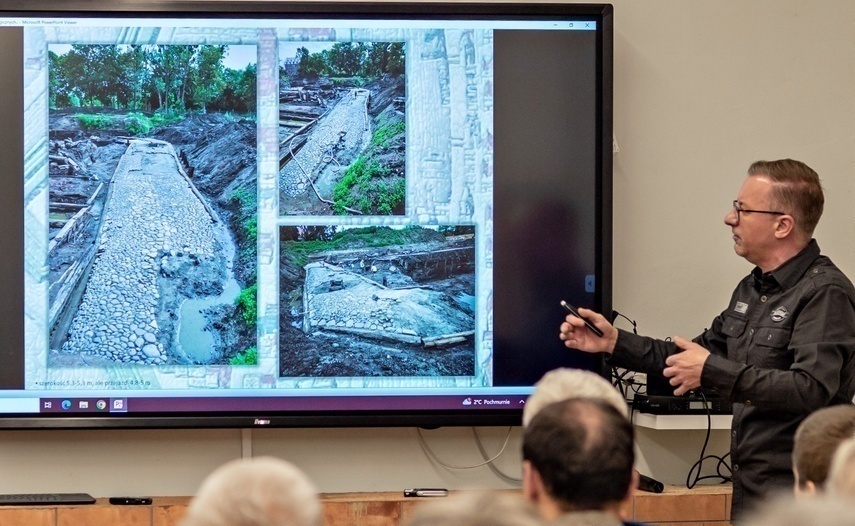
(152, 203)
(258, 207)
(377, 301)
(342, 128)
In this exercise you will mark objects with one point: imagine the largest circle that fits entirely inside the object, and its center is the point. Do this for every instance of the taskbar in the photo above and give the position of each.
(279, 404)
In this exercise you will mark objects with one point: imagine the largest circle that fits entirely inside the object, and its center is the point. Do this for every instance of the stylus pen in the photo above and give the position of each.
(588, 324)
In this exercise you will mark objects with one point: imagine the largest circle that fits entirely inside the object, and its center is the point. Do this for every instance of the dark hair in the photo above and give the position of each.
(583, 450)
(796, 189)
(817, 439)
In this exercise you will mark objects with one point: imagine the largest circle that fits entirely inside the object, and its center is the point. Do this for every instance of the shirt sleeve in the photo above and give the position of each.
(821, 344)
(641, 353)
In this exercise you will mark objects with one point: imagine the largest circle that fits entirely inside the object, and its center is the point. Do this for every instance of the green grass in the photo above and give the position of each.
(248, 357)
(349, 81)
(135, 123)
(138, 124)
(387, 132)
(162, 118)
(372, 236)
(369, 185)
(95, 122)
(247, 303)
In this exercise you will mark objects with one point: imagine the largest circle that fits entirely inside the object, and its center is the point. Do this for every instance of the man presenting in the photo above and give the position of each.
(785, 346)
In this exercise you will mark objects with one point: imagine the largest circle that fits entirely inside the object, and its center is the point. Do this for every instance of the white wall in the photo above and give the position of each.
(703, 89)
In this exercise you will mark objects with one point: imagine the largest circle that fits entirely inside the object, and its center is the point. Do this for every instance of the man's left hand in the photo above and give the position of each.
(684, 368)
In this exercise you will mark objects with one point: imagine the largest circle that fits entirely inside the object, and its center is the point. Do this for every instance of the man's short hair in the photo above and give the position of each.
(493, 508)
(796, 190)
(582, 449)
(841, 476)
(816, 439)
(564, 384)
(786, 511)
(263, 491)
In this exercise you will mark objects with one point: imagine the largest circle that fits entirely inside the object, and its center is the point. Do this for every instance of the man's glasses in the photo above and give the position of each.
(740, 210)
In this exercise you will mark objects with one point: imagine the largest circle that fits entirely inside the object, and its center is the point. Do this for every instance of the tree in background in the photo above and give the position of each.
(385, 58)
(239, 91)
(161, 78)
(365, 59)
(345, 58)
(311, 66)
(208, 79)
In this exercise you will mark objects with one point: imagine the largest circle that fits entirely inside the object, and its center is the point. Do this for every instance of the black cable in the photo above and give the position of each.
(620, 380)
(616, 314)
(699, 464)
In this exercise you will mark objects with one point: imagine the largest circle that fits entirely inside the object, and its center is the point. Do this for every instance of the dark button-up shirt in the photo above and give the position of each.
(784, 347)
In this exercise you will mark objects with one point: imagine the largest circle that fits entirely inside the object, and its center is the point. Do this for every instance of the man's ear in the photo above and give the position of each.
(807, 490)
(810, 489)
(626, 503)
(785, 226)
(532, 483)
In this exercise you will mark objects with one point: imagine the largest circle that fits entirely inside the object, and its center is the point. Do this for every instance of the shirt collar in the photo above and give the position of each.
(789, 273)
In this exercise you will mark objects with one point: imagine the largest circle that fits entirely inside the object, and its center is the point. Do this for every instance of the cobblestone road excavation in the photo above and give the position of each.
(344, 129)
(152, 211)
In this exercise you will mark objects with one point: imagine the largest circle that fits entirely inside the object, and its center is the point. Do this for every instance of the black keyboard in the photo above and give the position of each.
(46, 499)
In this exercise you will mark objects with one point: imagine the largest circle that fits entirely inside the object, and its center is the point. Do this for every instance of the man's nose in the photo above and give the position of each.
(731, 219)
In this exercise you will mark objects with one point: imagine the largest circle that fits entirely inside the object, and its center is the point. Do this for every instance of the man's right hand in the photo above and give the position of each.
(577, 336)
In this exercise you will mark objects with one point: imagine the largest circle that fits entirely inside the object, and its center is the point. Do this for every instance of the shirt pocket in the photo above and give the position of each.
(733, 327)
(770, 348)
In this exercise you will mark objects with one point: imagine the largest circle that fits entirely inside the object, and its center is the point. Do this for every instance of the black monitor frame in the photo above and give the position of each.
(11, 161)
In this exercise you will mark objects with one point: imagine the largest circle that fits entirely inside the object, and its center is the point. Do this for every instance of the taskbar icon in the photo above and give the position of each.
(83, 405)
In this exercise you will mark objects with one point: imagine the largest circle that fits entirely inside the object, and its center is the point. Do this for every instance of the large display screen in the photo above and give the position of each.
(298, 214)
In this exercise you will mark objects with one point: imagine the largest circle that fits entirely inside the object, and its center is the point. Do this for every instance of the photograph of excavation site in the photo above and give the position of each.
(152, 232)
(342, 128)
(377, 301)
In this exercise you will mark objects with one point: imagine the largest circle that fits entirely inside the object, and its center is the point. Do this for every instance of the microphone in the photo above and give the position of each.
(652, 485)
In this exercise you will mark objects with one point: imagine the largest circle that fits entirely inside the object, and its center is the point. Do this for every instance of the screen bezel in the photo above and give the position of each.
(12, 291)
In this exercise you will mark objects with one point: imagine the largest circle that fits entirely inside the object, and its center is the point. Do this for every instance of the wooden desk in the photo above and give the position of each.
(709, 505)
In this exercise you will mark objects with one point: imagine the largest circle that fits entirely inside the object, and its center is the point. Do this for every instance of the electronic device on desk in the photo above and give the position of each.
(681, 405)
(45, 499)
(660, 400)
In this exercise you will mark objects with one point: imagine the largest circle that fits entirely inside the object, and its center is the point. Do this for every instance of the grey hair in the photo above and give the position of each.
(564, 383)
(263, 491)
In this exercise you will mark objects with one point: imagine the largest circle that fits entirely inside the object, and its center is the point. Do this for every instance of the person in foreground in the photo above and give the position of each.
(262, 491)
(493, 508)
(781, 349)
(821, 511)
(577, 463)
(565, 383)
(816, 440)
(841, 475)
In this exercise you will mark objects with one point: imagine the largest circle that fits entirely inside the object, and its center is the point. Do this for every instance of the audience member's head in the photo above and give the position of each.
(822, 510)
(578, 456)
(815, 442)
(263, 491)
(841, 476)
(564, 384)
(476, 509)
